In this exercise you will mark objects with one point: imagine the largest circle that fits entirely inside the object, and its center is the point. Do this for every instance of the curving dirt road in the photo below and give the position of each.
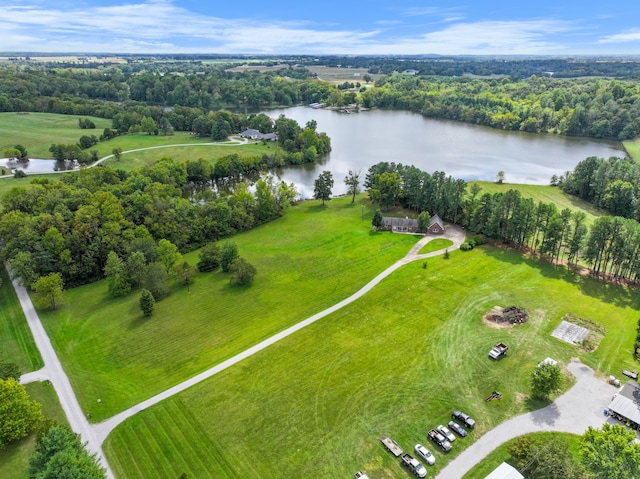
(580, 407)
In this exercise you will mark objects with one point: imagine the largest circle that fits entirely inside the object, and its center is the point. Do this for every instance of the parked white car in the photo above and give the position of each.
(446, 433)
(424, 453)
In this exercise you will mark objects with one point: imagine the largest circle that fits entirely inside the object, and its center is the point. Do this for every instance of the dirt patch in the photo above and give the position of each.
(520, 397)
(500, 317)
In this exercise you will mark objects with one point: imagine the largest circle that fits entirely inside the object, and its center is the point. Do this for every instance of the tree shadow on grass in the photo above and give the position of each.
(617, 294)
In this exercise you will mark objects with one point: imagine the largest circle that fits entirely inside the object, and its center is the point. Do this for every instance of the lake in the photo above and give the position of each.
(470, 152)
(466, 151)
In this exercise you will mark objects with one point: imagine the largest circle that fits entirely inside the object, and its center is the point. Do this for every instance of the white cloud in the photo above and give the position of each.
(159, 26)
(627, 36)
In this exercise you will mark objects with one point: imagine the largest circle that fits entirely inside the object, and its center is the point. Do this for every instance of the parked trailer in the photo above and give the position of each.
(391, 446)
(360, 475)
(413, 465)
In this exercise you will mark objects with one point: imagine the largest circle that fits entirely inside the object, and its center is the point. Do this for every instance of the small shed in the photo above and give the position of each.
(625, 405)
(505, 471)
(436, 226)
(399, 225)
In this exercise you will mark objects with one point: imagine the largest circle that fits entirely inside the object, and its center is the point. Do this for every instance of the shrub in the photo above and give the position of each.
(466, 246)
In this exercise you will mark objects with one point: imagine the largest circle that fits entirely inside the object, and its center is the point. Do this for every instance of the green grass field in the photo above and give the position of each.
(633, 148)
(137, 159)
(435, 245)
(501, 455)
(546, 194)
(16, 342)
(308, 260)
(395, 362)
(14, 459)
(37, 131)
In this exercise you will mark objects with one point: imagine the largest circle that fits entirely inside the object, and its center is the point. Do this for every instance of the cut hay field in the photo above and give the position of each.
(546, 194)
(308, 260)
(395, 362)
(37, 131)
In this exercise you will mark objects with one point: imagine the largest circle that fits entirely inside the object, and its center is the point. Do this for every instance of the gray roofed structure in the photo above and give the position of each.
(505, 471)
(256, 135)
(627, 402)
(436, 220)
(399, 224)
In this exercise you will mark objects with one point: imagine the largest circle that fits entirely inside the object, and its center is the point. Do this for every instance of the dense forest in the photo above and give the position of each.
(592, 107)
(70, 226)
(611, 246)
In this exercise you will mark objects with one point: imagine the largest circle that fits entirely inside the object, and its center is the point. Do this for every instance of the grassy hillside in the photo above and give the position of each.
(37, 131)
(633, 148)
(396, 362)
(547, 194)
(306, 261)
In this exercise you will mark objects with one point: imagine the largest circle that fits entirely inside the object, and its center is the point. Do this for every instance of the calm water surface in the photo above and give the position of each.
(471, 152)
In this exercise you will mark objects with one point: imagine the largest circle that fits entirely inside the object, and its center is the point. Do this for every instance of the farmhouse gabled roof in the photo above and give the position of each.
(436, 220)
(399, 222)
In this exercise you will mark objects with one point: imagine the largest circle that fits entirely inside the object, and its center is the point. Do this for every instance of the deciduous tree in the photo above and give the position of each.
(228, 254)
(18, 414)
(49, 291)
(147, 302)
(611, 452)
(242, 272)
(546, 378)
(352, 180)
(322, 187)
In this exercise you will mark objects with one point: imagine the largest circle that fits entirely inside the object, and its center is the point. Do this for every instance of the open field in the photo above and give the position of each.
(395, 362)
(37, 131)
(500, 455)
(137, 159)
(633, 148)
(547, 194)
(308, 260)
(14, 460)
(340, 75)
(16, 342)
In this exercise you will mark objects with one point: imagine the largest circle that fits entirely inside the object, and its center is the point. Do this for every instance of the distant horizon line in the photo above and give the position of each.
(324, 55)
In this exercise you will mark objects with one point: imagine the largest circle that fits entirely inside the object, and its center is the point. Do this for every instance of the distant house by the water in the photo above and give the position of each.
(256, 135)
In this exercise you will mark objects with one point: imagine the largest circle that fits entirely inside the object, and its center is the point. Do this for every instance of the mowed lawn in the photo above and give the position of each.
(37, 131)
(308, 260)
(501, 454)
(546, 194)
(16, 342)
(192, 152)
(394, 363)
(14, 459)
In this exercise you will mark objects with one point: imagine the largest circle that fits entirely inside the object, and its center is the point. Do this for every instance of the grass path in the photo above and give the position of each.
(395, 362)
(454, 235)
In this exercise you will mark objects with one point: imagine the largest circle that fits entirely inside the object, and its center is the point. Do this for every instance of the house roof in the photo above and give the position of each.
(505, 471)
(252, 133)
(399, 222)
(436, 220)
(627, 402)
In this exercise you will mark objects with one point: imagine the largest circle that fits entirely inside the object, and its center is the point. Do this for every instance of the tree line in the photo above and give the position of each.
(611, 246)
(612, 184)
(593, 107)
(69, 226)
(597, 108)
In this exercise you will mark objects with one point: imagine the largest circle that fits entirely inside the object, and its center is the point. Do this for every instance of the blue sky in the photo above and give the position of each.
(409, 27)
